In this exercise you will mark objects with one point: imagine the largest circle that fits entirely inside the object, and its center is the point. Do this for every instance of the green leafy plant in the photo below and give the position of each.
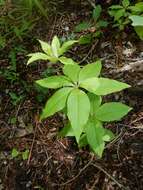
(120, 14)
(79, 96)
(80, 91)
(24, 154)
(53, 52)
(14, 153)
(93, 27)
(124, 12)
(15, 99)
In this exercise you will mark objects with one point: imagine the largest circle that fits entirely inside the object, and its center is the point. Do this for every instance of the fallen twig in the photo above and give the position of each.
(75, 177)
(30, 153)
(90, 51)
(108, 175)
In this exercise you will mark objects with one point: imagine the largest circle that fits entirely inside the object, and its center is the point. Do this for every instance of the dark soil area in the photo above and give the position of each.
(58, 164)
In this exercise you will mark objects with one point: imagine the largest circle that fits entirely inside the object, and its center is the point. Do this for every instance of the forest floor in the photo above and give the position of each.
(58, 164)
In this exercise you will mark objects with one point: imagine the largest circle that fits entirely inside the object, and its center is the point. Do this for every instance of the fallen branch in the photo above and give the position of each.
(136, 66)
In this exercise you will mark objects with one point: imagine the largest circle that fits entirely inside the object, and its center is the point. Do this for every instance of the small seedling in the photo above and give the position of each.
(15, 153)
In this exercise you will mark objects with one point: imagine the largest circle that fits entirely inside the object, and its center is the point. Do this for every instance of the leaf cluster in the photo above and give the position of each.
(123, 13)
(53, 52)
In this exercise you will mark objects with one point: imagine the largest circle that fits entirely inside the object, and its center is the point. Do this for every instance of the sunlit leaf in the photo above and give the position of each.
(136, 20)
(103, 86)
(55, 45)
(95, 102)
(90, 70)
(66, 46)
(54, 82)
(56, 103)
(78, 108)
(72, 71)
(37, 56)
(46, 47)
(67, 61)
(112, 111)
(95, 133)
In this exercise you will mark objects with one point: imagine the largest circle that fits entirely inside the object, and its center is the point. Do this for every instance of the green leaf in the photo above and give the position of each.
(85, 39)
(95, 102)
(90, 70)
(46, 47)
(82, 26)
(113, 111)
(136, 20)
(95, 133)
(25, 154)
(56, 103)
(78, 108)
(96, 12)
(102, 23)
(119, 14)
(112, 12)
(14, 153)
(66, 46)
(97, 34)
(108, 135)
(67, 131)
(139, 31)
(67, 61)
(125, 3)
(54, 82)
(103, 86)
(37, 56)
(90, 84)
(72, 71)
(55, 45)
(83, 141)
(108, 86)
(137, 8)
(115, 7)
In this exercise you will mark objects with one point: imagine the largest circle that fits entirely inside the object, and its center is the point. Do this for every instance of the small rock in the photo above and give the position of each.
(66, 28)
